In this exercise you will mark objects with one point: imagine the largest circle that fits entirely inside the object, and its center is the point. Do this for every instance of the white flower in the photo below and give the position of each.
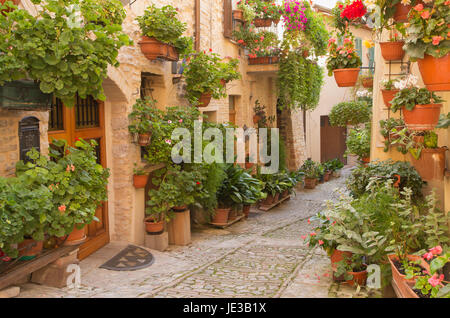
(364, 93)
(406, 2)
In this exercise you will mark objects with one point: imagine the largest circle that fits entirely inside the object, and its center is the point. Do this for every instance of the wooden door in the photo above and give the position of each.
(85, 120)
(332, 141)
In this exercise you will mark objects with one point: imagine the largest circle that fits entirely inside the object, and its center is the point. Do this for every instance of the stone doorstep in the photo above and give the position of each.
(10, 292)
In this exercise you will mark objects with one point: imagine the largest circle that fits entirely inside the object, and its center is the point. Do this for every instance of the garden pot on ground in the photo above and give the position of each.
(431, 163)
(435, 72)
(221, 216)
(238, 15)
(368, 82)
(77, 236)
(310, 183)
(153, 227)
(264, 22)
(326, 176)
(144, 139)
(153, 49)
(232, 215)
(140, 181)
(399, 279)
(29, 249)
(246, 210)
(258, 60)
(180, 208)
(346, 77)
(365, 160)
(392, 51)
(336, 174)
(401, 12)
(422, 117)
(336, 257)
(269, 200)
(358, 278)
(204, 100)
(284, 194)
(276, 198)
(388, 96)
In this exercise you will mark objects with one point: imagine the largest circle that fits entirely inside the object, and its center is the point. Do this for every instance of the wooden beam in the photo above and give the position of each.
(197, 25)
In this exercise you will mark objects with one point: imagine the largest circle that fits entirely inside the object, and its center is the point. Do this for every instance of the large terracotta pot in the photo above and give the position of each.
(276, 198)
(180, 208)
(346, 77)
(29, 249)
(270, 199)
(401, 283)
(264, 22)
(258, 60)
(153, 227)
(221, 216)
(246, 210)
(140, 181)
(16, 2)
(204, 100)
(232, 215)
(358, 278)
(153, 49)
(401, 12)
(77, 236)
(431, 164)
(435, 72)
(144, 139)
(392, 51)
(388, 96)
(422, 117)
(238, 15)
(285, 194)
(310, 183)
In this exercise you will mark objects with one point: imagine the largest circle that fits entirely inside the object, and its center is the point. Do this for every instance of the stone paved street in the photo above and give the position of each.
(263, 256)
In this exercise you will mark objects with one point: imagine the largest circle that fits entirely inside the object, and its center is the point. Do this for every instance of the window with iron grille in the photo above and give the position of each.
(87, 113)
(56, 120)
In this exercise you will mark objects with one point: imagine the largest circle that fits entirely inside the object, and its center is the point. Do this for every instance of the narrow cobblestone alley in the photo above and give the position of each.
(263, 256)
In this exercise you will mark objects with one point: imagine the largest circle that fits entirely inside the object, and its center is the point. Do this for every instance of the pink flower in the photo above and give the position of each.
(6, 259)
(68, 168)
(418, 7)
(313, 234)
(62, 208)
(168, 141)
(309, 221)
(303, 237)
(320, 242)
(437, 250)
(425, 14)
(72, 167)
(428, 256)
(180, 121)
(169, 121)
(435, 280)
(437, 40)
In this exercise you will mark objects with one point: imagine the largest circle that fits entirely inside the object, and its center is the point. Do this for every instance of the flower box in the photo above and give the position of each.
(24, 95)
(264, 22)
(153, 49)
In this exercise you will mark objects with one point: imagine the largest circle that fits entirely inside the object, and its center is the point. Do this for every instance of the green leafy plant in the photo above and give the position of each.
(358, 142)
(229, 194)
(248, 11)
(432, 285)
(409, 141)
(342, 56)
(144, 117)
(350, 113)
(444, 121)
(386, 130)
(311, 169)
(66, 55)
(163, 25)
(265, 9)
(412, 96)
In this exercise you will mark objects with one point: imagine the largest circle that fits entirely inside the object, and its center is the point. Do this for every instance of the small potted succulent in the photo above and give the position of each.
(343, 61)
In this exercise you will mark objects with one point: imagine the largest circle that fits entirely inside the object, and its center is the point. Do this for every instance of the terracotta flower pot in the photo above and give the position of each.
(310, 183)
(153, 49)
(29, 249)
(249, 165)
(256, 119)
(366, 160)
(204, 100)
(276, 198)
(223, 82)
(264, 22)
(435, 72)
(144, 139)
(246, 210)
(388, 96)
(180, 208)
(221, 216)
(285, 194)
(153, 227)
(422, 117)
(326, 176)
(401, 12)
(232, 215)
(392, 51)
(358, 278)
(399, 280)
(258, 60)
(305, 53)
(346, 77)
(338, 256)
(368, 82)
(274, 59)
(77, 236)
(431, 164)
(140, 181)
(238, 15)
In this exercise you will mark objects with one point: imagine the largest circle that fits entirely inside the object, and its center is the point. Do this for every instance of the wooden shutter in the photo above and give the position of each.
(372, 59)
(227, 18)
(358, 46)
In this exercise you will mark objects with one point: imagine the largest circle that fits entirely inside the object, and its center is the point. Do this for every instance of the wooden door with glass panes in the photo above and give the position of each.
(85, 120)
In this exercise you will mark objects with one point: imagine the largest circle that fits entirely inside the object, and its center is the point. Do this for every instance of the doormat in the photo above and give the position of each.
(130, 258)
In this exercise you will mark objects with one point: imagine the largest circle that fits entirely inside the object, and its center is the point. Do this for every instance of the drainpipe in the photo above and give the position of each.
(197, 26)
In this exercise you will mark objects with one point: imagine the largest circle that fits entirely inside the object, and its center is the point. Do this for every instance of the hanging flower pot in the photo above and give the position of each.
(29, 249)
(274, 59)
(221, 216)
(204, 100)
(435, 72)
(144, 139)
(238, 15)
(388, 96)
(16, 3)
(346, 77)
(153, 227)
(392, 51)
(422, 117)
(365, 160)
(401, 12)
(368, 82)
(431, 163)
(153, 49)
(140, 181)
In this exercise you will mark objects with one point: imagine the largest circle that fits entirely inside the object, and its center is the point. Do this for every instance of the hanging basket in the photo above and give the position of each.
(435, 72)
(140, 181)
(346, 77)
(392, 51)
(204, 100)
(388, 96)
(422, 117)
(153, 49)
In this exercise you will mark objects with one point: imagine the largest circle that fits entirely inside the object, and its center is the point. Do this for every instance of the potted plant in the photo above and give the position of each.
(392, 50)
(352, 270)
(245, 12)
(388, 90)
(367, 79)
(251, 190)
(350, 113)
(427, 42)
(386, 130)
(421, 108)
(143, 118)
(188, 188)
(162, 34)
(263, 48)
(140, 177)
(204, 73)
(435, 284)
(335, 165)
(358, 143)
(343, 61)
(311, 171)
(8, 4)
(266, 13)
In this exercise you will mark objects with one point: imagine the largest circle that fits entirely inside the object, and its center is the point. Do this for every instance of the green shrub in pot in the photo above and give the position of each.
(350, 113)
(358, 142)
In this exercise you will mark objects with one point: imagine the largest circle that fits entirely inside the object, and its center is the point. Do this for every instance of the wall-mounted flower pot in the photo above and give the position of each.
(346, 77)
(204, 100)
(310, 183)
(392, 51)
(23, 95)
(431, 163)
(264, 22)
(258, 60)
(144, 139)
(256, 119)
(422, 117)
(153, 49)
(238, 15)
(140, 181)
(153, 227)
(16, 3)
(368, 82)
(388, 96)
(221, 216)
(435, 72)
(77, 236)
(401, 12)
(29, 249)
